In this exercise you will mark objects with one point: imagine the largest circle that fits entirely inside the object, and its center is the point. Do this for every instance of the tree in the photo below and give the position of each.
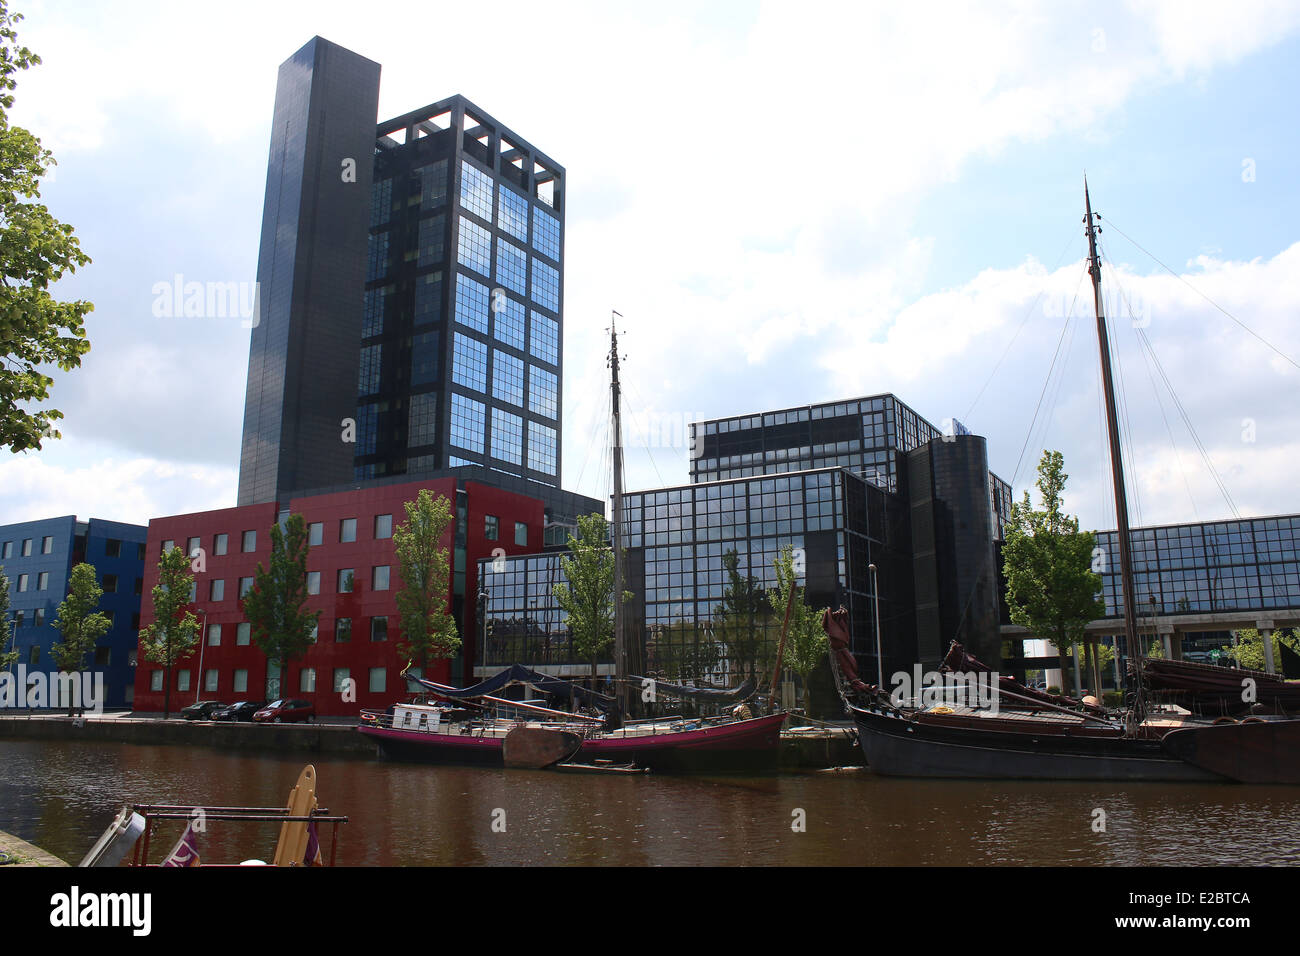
(276, 605)
(805, 643)
(36, 250)
(78, 622)
(587, 596)
(428, 629)
(7, 657)
(173, 634)
(1249, 649)
(741, 620)
(1051, 587)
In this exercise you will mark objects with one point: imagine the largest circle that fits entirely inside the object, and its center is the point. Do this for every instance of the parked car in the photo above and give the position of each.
(242, 711)
(203, 710)
(286, 711)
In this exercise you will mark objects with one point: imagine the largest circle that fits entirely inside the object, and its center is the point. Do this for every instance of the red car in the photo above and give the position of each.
(285, 711)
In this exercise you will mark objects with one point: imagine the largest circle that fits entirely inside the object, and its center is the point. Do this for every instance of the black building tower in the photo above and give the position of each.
(411, 291)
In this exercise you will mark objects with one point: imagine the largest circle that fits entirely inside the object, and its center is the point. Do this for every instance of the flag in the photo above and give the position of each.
(186, 851)
(312, 856)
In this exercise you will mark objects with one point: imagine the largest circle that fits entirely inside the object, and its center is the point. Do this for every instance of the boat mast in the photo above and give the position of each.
(620, 642)
(1112, 427)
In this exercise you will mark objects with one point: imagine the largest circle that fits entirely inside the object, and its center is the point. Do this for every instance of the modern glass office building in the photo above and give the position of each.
(411, 290)
(867, 435)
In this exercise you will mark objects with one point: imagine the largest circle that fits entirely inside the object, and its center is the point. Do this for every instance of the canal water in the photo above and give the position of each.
(61, 796)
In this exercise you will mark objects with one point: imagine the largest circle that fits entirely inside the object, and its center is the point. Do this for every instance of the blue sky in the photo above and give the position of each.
(788, 203)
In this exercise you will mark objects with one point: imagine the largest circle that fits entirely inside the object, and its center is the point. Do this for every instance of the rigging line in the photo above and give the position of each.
(1032, 422)
(1196, 439)
(587, 457)
(1155, 391)
(1292, 361)
(645, 443)
(1060, 384)
(1074, 238)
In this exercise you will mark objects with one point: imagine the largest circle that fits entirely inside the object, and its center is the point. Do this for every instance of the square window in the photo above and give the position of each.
(341, 676)
(47, 545)
(42, 580)
(182, 680)
(313, 582)
(378, 680)
(346, 580)
(103, 656)
(38, 617)
(307, 680)
(348, 530)
(167, 545)
(343, 630)
(245, 585)
(210, 680)
(214, 635)
(110, 584)
(217, 592)
(315, 534)
(7, 551)
(243, 634)
(490, 527)
(241, 681)
(27, 547)
(220, 543)
(379, 577)
(383, 526)
(34, 656)
(521, 534)
(156, 680)
(192, 547)
(379, 628)
(250, 542)
(18, 619)
(22, 583)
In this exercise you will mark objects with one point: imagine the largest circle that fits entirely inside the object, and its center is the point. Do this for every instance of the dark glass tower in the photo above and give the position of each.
(310, 273)
(411, 291)
(461, 342)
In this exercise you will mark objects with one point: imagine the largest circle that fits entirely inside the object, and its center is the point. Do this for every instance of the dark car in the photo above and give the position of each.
(203, 710)
(242, 711)
(286, 711)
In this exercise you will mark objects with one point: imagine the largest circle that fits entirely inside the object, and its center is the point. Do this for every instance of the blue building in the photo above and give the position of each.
(38, 557)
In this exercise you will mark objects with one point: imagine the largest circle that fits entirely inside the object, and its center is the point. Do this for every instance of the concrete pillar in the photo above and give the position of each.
(1266, 632)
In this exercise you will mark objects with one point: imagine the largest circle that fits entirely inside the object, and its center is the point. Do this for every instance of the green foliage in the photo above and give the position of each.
(587, 594)
(806, 643)
(1051, 587)
(78, 622)
(276, 606)
(173, 634)
(1157, 648)
(680, 652)
(36, 250)
(428, 630)
(7, 657)
(741, 621)
(1249, 651)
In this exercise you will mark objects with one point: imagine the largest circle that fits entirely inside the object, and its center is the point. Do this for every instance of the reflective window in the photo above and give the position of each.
(512, 266)
(512, 213)
(424, 357)
(475, 248)
(543, 392)
(377, 266)
(546, 234)
(472, 303)
(315, 533)
(467, 423)
(422, 423)
(541, 448)
(250, 542)
(346, 578)
(379, 628)
(347, 530)
(476, 191)
(343, 630)
(469, 363)
(220, 543)
(544, 339)
(508, 321)
(432, 241)
(383, 527)
(373, 321)
(433, 184)
(379, 577)
(428, 298)
(368, 370)
(313, 582)
(507, 436)
(507, 378)
(381, 202)
(243, 634)
(491, 527)
(546, 286)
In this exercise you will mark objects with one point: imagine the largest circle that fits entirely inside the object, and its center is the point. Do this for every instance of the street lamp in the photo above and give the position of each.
(875, 600)
(203, 643)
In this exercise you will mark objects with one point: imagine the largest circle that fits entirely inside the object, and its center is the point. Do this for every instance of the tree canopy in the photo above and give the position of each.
(587, 594)
(276, 606)
(173, 634)
(806, 643)
(36, 250)
(428, 628)
(78, 620)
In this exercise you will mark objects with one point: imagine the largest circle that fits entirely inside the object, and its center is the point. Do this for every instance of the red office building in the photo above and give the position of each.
(352, 578)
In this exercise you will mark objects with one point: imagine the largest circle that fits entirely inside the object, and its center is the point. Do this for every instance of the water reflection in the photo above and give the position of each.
(62, 796)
